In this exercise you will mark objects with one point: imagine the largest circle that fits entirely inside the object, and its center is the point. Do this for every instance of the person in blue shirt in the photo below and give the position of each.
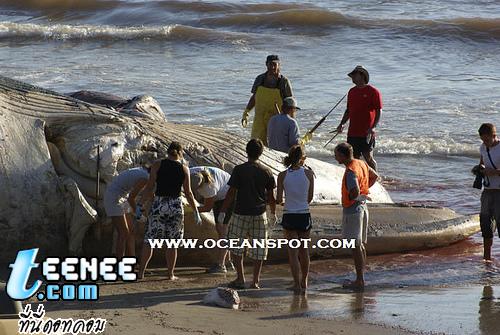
(283, 130)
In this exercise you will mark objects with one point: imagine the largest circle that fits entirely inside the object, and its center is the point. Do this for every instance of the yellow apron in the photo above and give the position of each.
(265, 100)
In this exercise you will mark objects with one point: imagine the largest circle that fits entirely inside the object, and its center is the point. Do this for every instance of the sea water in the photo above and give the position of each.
(435, 63)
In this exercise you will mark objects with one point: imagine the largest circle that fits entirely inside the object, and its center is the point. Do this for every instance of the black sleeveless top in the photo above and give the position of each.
(169, 179)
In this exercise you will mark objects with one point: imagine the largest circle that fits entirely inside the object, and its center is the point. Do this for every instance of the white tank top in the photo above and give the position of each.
(296, 186)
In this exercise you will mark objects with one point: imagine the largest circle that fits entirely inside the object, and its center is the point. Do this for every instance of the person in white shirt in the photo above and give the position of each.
(489, 166)
(298, 185)
(119, 199)
(210, 184)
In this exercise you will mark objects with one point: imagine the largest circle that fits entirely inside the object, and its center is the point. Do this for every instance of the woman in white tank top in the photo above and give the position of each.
(297, 184)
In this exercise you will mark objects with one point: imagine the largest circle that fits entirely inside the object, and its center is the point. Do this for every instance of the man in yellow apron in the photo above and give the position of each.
(269, 90)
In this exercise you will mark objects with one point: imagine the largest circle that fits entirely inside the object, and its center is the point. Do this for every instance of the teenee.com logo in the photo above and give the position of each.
(68, 279)
(78, 276)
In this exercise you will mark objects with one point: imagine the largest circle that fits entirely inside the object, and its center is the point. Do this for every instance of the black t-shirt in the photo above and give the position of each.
(252, 181)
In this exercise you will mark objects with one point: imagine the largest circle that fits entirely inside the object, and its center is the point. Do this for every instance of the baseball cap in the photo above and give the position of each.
(272, 58)
(290, 102)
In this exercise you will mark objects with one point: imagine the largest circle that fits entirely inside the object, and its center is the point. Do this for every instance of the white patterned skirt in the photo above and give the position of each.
(166, 219)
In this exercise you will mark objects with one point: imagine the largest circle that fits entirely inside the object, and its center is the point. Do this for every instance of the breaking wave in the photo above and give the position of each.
(10, 30)
(296, 18)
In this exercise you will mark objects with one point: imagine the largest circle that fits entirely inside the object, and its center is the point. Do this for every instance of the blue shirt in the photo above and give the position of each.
(282, 132)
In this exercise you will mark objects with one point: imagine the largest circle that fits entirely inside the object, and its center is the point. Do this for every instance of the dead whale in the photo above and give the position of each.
(54, 147)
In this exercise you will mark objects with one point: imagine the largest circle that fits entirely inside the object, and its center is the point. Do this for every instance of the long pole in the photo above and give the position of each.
(98, 191)
(277, 108)
(331, 139)
(324, 117)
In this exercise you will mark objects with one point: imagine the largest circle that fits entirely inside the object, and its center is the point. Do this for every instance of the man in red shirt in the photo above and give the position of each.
(364, 105)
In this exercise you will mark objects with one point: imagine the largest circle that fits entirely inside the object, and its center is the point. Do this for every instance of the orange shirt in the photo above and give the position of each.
(360, 169)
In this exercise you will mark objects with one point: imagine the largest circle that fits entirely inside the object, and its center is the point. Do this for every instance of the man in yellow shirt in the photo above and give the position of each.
(269, 90)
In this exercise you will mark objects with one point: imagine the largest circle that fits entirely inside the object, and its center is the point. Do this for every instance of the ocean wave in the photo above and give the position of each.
(433, 147)
(295, 18)
(59, 5)
(292, 18)
(226, 7)
(11, 30)
(173, 5)
(462, 27)
(427, 147)
(315, 18)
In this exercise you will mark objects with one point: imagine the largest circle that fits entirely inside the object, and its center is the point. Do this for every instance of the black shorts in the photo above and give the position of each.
(360, 145)
(299, 222)
(490, 212)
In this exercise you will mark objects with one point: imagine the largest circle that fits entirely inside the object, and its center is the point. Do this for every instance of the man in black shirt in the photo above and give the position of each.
(253, 186)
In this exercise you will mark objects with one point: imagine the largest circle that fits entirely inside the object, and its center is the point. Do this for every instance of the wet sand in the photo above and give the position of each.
(439, 291)
(157, 306)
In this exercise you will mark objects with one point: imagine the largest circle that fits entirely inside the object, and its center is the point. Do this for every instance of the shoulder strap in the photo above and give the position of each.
(489, 156)
(310, 169)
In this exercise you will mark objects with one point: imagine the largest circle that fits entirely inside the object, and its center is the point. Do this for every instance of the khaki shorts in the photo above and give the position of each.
(355, 226)
(250, 227)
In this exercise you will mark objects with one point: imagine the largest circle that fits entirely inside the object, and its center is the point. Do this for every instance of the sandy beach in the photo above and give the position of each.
(156, 306)
(406, 293)
(435, 64)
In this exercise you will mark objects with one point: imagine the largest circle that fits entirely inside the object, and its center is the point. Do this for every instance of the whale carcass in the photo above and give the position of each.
(58, 152)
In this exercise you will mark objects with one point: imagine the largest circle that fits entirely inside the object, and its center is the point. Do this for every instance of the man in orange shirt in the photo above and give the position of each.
(364, 105)
(358, 178)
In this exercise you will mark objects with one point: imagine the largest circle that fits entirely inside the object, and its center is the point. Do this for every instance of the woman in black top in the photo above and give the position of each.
(166, 219)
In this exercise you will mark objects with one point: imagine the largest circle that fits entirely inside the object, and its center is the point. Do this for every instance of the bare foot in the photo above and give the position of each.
(254, 286)
(172, 277)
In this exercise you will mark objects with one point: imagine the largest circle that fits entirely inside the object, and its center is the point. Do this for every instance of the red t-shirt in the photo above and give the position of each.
(362, 104)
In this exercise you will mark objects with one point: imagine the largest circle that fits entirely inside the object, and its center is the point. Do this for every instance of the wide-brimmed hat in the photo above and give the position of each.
(290, 102)
(360, 69)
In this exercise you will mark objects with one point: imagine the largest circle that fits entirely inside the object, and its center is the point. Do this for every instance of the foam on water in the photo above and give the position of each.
(295, 18)
(418, 146)
(435, 64)
(328, 181)
(11, 30)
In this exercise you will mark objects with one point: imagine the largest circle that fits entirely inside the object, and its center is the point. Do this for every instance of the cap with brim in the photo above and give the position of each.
(272, 58)
(290, 102)
(360, 69)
